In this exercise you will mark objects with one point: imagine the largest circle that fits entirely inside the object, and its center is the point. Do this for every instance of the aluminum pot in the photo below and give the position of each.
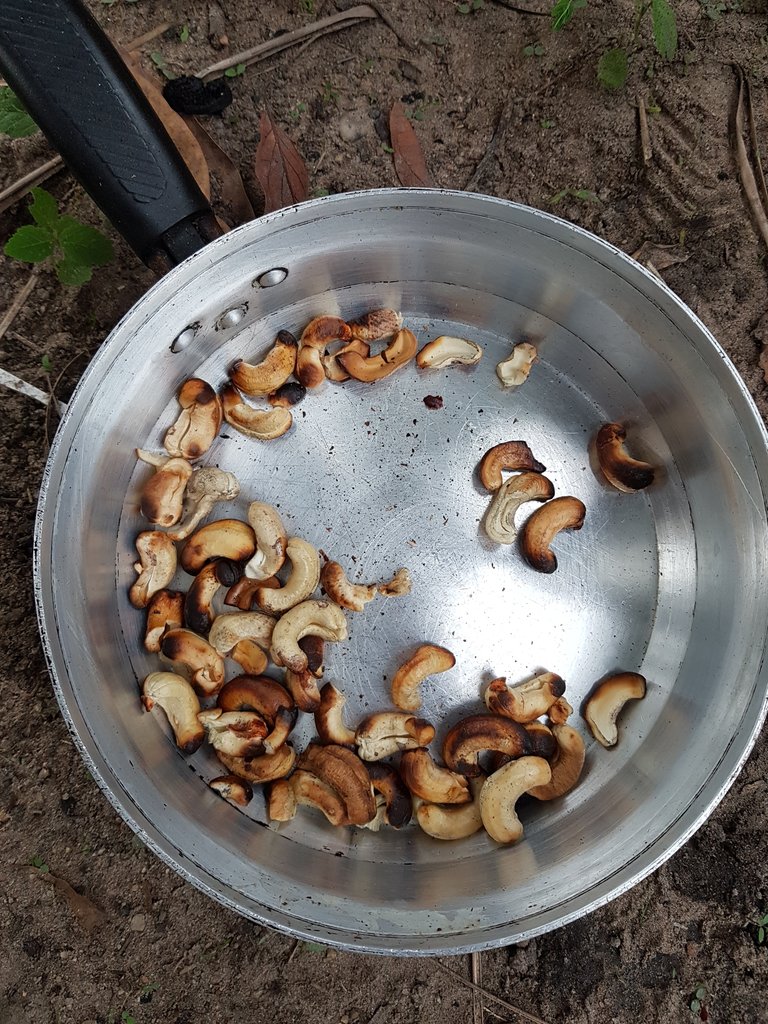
(668, 582)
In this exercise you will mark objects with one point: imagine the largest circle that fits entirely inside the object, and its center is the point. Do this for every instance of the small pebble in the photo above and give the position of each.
(138, 922)
(351, 129)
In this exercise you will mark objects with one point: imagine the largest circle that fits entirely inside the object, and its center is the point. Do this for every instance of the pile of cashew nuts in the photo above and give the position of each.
(244, 606)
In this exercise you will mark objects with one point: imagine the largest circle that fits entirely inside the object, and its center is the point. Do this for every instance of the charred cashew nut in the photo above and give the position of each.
(465, 741)
(287, 395)
(315, 338)
(321, 618)
(446, 351)
(314, 648)
(273, 370)
(249, 656)
(544, 525)
(333, 369)
(353, 596)
(202, 662)
(164, 611)
(198, 423)
(156, 566)
(400, 351)
(262, 424)
(198, 611)
(237, 791)
(255, 693)
(620, 469)
(606, 701)
(510, 456)
(231, 628)
(456, 822)
(499, 522)
(566, 766)
(237, 733)
(398, 586)
(243, 594)
(329, 718)
(180, 704)
(527, 701)
(398, 806)
(379, 323)
(305, 575)
(345, 773)
(281, 801)
(162, 497)
(560, 711)
(543, 742)
(303, 687)
(260, 769)
(429, 781)
(428, 660)
(386, 732)
(502, 791)
(223, 538)
(513, 371)
(269, 533)
(206, 486)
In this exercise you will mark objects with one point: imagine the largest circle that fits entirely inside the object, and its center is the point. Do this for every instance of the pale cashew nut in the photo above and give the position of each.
(446, 351)
(352, 596)
(231, 788)
(502, 791)
(545, 523)
(198, 423)
(513, 371)
(304, 578)
(156, 566)
(452, 822)
(236, 733)
(319, 618)
(261, 424)
(329, 718)
(427, 661)
(566, 766)
(620, 469)
(430, 781)
(398, 586)
(315, 338)
(527, 701)
(377, 324)
(385, 732)
(206, 486)
(499, 522)
(400, 351)
(231, 628)
(179, 702)
(271, 540)
(269, 374)
(606, 701)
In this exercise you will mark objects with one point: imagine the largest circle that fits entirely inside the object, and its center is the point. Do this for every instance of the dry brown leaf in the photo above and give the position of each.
(661, 256)
(280, 170)
(237, 205)
(84, 909)
(185, 141)
(410, 166)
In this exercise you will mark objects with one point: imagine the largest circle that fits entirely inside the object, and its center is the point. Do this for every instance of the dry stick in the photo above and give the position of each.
(489, 995)
(521, 10)
(148, 36)
(745, 168)
(755, 144)
(344, 19)
(645, 135)
(476, 965)
(15, 308)
(488, 155)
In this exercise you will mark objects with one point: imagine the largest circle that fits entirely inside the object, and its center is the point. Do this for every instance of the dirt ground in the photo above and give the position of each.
(164, 952)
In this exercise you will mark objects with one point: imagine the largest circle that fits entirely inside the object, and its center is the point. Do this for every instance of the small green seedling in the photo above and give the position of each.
(14, 120)
(585, 195)
(76, 247)
(295, 112)
(564, 10)
(308, 6)
(127, 1018)
(161, 64)
(387, 148)
(330, 95)
(147, 991)
(696, 1004)
(761, 926)
(533, 50)
(320, 191)
(547, 123)
(236, 71)
(39, 863)
(184, 34)
(46, 363)
(715, 9)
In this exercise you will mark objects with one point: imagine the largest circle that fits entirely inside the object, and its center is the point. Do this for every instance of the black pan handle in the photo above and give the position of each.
(77, 88)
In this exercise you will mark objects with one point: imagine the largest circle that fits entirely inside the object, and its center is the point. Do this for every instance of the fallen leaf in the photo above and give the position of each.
(662, 256)
(84, 909)
(184, 140)
(281, 172)
(410, 166)
(237, 205)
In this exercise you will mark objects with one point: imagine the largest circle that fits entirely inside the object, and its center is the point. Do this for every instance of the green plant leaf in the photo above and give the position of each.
(701, 992)
(315, 947)
(763, 920)
(761, 935)
(564, 10)
(72, 273)
(30, 244)
(695, 1005)
(235, 71)
(83, 244)
(587, 195)
(47, 365)
(558, 197)
(612, 68)
(14, 120)
(43, 209)
(664, 28)
(184, 34)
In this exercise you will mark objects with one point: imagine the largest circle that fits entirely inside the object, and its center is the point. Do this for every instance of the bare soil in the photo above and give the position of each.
(164, 952)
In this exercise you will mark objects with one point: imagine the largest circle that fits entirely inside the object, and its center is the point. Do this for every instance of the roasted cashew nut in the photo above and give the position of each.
(446, 351)
(509, 456)
(207, 485)
(269, 374)
(320, 618)
(502, 791)
(375, 325)
(288, 395)
(398, 806)
(303, 687)
(452, 822)
(567, 765)
(231, 788)
(198, 603)
(329, 718)
(470, 736)
(301, 584)
(235, 733)
(198, 423)
(179, 702)
(269, 534)
(156, 566)
(344, 772)
(400, 351)
(231, 628)
(334, 371)
(165, 611)
(352, 596)
(199, 659)
(560, 711)
(430, 781)
(261, 424)
(544, 525)
(385, 732)
(224, 538)
(162, 496)
(398, 586)
(316, 337)
(427, 661)
(527, 701)
(542, 740)
(606, 701)
(499, 522)
(619, 468)
(513, 371)
(263, 768)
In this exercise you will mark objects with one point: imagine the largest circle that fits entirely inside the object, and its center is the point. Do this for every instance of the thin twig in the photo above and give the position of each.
(344, 19)
(498, 134)
(40, 174)
(14, 383)
(294, 951)
(645, 135)
(476, 966)
(521, 10)
(754, 143)
(489, 995)
(16, 306)
(148, 36)
(745, 168)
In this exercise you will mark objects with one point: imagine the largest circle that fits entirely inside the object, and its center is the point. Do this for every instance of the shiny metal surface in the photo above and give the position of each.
(668, 582)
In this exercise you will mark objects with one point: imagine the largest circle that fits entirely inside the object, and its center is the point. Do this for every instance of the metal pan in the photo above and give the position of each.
(668, 582)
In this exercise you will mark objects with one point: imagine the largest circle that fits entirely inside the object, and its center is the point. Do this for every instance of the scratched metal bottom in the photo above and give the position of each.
(666, 582)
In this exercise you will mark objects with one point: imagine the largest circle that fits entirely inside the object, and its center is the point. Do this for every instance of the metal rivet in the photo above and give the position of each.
(271, 277)
(232, 317)
(182, 340)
